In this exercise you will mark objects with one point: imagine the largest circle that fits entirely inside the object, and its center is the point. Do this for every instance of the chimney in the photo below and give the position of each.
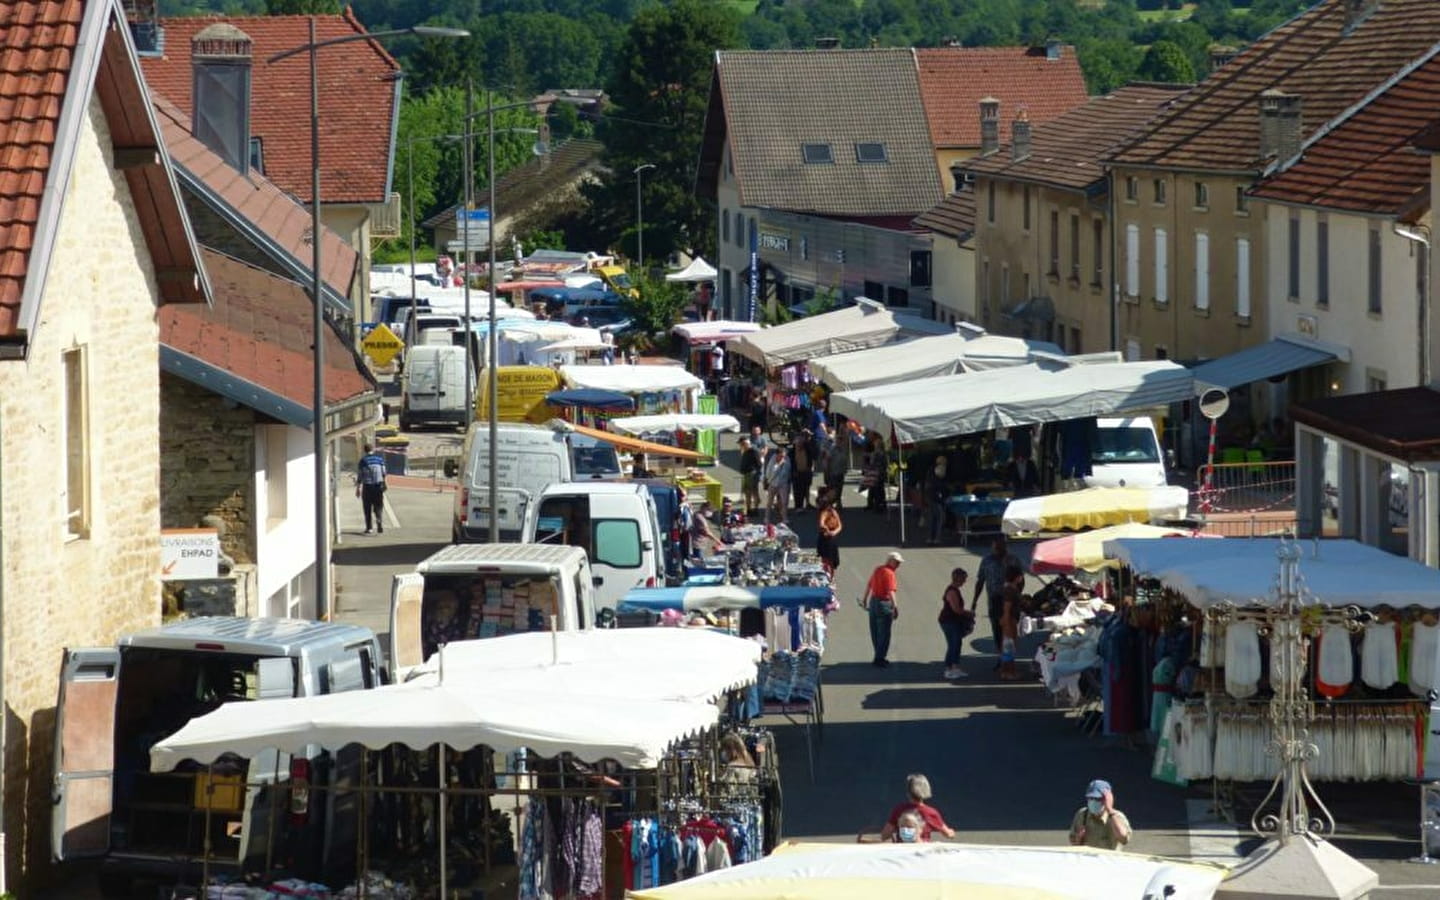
(220, 55)
(1280, 125)
(1220, 55)
(1020, 137)
(1052, 48)
(989, 125)
(1357, 11)
(827, 43)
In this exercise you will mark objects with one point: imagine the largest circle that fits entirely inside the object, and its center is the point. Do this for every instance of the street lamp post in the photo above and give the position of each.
(317, 424)
(640, 220)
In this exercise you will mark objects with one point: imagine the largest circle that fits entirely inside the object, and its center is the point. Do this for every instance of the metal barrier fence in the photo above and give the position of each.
(1248, 487)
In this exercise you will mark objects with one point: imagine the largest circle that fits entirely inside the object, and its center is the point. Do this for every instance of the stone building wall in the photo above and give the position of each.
(207, 464)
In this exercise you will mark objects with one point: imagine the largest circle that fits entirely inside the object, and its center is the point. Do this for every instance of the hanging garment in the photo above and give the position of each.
(1380, 655)
(717, 855)
(1162, 687)
(536, 847)
(590, 868)
(1335, 668)
(1242, 660)
(1212, 647)
(1424, 654)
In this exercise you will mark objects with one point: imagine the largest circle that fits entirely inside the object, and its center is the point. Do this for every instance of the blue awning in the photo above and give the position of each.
(1278, 357)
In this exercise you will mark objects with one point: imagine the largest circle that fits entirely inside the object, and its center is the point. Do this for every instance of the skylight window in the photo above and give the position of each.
(817, 154)
(870, 153)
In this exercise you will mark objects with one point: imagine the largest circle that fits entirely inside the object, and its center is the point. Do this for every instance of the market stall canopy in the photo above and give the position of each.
(725, 596)
(698, 270)
(631, 379)
(579, 338)
(1337, 572)
(1095, 508)
(633, 444)
(796, 871)
(1028, 394)
(1085, 552)
(634, 733)
(925, 357)
(714, 331)
(866, 324)
(676, 422)
(590, 398)
(679, 664)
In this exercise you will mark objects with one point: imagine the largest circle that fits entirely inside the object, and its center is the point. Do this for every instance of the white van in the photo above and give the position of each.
(529, 459)
(433, 386)
(616, 524)
(486, 590)
(117, 702)
(1125, 452)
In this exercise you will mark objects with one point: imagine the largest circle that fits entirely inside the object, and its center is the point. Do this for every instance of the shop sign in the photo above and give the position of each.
(770, 240)
(189, 553)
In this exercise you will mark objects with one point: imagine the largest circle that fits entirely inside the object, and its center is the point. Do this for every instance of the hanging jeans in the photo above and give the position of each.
(881, 621)
(953, 638)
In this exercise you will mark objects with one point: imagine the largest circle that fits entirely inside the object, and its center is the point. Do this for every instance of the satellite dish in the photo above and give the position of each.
(1214, 403)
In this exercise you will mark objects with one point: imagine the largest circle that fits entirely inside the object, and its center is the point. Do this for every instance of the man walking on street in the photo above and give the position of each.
(371, 488)
(751, 465)
(991, 579)
(882, 603)
(778, 475)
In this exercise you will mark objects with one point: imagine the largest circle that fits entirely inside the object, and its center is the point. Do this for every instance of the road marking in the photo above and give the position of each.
(1211, 840)
(389, 511)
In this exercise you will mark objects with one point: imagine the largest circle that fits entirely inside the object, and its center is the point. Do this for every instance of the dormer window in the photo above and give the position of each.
(817, 154)
(870, 153)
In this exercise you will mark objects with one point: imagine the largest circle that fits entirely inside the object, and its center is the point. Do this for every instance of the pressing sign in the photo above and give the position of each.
(381, 345)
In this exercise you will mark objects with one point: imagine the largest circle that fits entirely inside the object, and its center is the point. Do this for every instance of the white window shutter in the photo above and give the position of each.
(1242, 277)
(1162, 268)
(1202, 271)
(1132, 260)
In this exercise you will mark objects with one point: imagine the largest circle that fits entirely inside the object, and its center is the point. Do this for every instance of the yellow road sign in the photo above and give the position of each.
(381, 345)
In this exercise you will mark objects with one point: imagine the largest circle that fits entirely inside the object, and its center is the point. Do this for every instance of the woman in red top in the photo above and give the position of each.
(918, 789)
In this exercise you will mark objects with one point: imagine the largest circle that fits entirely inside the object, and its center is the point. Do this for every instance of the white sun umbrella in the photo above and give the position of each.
(675, 422)
(580, 338)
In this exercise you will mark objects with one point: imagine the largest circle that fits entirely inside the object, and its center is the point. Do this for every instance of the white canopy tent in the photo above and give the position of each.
(924, 357)
(630, 379)
(675, 422)
(1028, 394)
(713, 331)
(698, 270)
(866, 324)
(1337, 572)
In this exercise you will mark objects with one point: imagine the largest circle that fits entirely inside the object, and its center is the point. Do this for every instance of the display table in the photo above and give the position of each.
(711, 489)
(970, 509)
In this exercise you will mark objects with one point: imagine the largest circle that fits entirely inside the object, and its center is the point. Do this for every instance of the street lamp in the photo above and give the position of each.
(640, 220)
(317, 425)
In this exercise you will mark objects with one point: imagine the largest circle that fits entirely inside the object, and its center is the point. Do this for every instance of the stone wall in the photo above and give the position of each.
(218, 234)
(207, 464)
(62, 591)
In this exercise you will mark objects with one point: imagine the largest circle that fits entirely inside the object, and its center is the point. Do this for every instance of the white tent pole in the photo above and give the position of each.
(900, 476)
(444, 814)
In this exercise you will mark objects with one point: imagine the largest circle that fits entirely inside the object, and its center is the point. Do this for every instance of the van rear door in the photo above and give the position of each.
(83, 788)
(407, 594)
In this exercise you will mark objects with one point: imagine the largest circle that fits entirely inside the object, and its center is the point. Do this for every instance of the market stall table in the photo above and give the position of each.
(698, 484)
(968, 509)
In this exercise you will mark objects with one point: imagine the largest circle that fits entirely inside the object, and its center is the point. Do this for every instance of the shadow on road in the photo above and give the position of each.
(356, 552)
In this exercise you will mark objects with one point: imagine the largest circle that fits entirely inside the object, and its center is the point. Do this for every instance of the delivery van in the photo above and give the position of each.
(117, 702)
(615, 523)
(433, 386)
(529, 459)
(1125, 452)
(486, 590)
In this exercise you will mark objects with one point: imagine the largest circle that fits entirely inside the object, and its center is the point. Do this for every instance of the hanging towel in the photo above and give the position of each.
(1210, 643)
(1336, 666)
(1424, 653)
(1242, 660)
(1379, 656)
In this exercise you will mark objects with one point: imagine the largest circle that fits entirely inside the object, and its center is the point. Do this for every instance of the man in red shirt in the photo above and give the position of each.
(880, 601)
(918, 789)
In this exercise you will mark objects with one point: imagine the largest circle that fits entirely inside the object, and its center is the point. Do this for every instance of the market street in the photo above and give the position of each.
(1007, 765)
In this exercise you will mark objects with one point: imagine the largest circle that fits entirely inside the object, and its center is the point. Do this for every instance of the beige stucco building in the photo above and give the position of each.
(98, 244)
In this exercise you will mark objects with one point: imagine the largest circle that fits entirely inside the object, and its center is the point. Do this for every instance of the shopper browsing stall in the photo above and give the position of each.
(881, 602)
(991, 578)
(828, 529)
(955, 622)
(750, 470)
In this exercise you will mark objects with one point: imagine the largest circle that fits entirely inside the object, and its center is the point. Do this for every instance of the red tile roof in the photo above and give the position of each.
(256, 199)
(37, 45)
(258, 329)
(357, 100)
(1366, 161)
(1216, 127)
(953, 80)
(1066, 152)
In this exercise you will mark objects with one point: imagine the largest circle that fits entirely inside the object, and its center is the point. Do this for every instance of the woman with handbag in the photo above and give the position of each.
(955, 622)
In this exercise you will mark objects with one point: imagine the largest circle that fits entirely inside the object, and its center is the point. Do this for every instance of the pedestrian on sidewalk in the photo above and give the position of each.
(917, 791)
(777, 477)
(881, 601)
(829, 527)
(991, 578)
(370, 488)
(1098, 823)
(750, 466)
(955, 622)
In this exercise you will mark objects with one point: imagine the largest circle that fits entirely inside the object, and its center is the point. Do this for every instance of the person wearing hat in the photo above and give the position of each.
(880, 602)
(1098, 823)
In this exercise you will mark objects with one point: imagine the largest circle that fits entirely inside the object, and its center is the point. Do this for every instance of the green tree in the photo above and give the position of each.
(1107, 63)
(1165, 61)
(660, 89)
(303, 7)
(656, 306)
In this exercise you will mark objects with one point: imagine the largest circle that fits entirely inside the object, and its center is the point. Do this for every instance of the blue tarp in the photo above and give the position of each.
(591, 398)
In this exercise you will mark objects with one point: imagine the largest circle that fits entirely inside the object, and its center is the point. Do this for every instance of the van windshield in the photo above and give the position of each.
(1124, 445)
(595, 459)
